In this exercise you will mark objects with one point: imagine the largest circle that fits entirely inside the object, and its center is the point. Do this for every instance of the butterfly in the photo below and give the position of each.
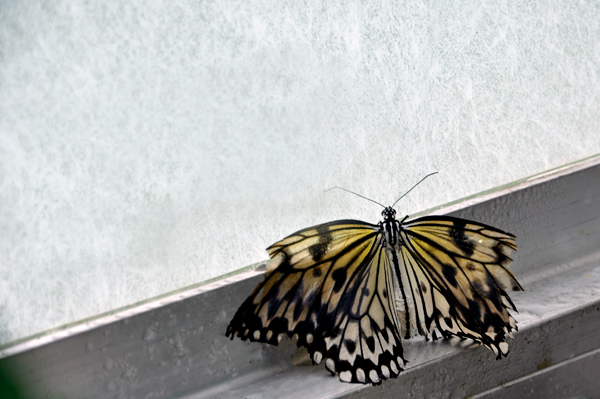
(351, 291)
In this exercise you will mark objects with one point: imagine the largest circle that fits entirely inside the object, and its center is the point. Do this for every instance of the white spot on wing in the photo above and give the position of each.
(360, 375)
(385, 371)
(346, 376)
(317, 357)
(374, 376)
(330, 364)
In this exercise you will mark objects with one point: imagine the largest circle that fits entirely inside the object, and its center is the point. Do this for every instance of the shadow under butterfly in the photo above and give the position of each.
(351, 290)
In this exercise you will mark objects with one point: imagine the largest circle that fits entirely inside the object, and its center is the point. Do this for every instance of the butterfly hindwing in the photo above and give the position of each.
(362, 341)
(461, 271)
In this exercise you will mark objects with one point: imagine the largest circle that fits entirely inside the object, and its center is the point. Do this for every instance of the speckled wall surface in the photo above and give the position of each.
(146, 147)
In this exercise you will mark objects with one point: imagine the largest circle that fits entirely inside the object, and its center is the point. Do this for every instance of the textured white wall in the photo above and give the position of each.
(146, 147)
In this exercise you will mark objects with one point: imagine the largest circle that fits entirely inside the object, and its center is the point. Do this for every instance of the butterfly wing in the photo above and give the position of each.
(455, 274)
(361, 339)
(332, 286)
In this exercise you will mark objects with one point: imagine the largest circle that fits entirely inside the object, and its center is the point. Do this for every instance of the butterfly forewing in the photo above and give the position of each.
(313, 245)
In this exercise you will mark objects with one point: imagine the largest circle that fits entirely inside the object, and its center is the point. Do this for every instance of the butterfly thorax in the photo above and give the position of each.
(390, 227)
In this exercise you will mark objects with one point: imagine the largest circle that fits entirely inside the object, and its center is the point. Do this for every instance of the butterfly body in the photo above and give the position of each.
(351, 291)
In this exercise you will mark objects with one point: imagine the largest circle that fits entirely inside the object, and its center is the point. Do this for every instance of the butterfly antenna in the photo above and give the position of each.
(361, 196)
(413, 187)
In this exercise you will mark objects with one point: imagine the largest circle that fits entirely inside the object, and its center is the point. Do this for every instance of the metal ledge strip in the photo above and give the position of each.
(175, 347)
(572, 378)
